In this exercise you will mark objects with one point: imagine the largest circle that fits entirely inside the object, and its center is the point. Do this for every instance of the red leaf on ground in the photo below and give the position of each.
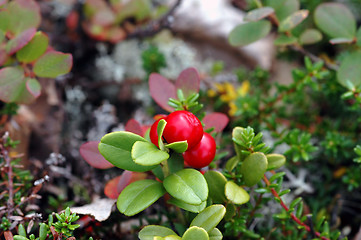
(188, 80)
(111, 187)
(161, 89)
(20, 41)
(90, 153)
(134, 126)
(216, 120)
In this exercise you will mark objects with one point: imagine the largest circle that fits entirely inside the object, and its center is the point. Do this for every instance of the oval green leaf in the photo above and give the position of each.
(160, 129)
(232, 163)
(147, 154)
(335, 20)
(20, 41)
(116, 148)
(275, 161)
(43, 231)
(151, 231)
(173, 237)
(33, 86)
(253, 168)
(235, 193)
(216, 183)
(188, 207)
(195, 233)
(34, 49)
(187, 185)
(53, 64)
(283, 8)
(247, 33)
(209, 218)
(310, 36)
(350, 70)
(18, 237)
(175, 163)
(293, 20)
(178, 147)
(215, 234)
(284, 40)
(258, 14)
(139, 195)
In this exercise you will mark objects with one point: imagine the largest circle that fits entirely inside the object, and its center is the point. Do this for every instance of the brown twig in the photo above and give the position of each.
(293, 216)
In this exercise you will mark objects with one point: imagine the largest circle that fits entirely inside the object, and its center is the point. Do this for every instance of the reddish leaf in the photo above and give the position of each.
(72, 20)
(116, 185)
(3, 56)
(215, 120)
(161, 89)
(188, 80)
(20, 41)
(8, 235)
(134, 126)
(89, 151)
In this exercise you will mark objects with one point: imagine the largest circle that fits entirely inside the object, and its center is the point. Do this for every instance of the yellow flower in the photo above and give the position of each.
(244, 88)
(232, 109)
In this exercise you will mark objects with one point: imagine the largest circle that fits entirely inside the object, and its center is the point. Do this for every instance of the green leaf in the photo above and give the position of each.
(284, 40)
(53, 64)
(20, 41)
(18, 237)
(275, 161)
(335, 20)
(175, 163)
(178, 147)
(116, 148)
(2, 36)
(230, 211)
(215, 234)
(232, 163)
(33, 86)
(350, 70)
(341, 41)
(147, 154)
(216, 183)
(173, 237)
(283, 8)
(139, 195)
(253, 168)
(34, 49)
(358, 36)
(247, 33)
(150, 231)
(21, 230)
(258, 14)
(235, 193)
(195, 233)
(160, 129)
(187, 185)
(188, 207)
(293, 20)
(310, 36)
(209, 218)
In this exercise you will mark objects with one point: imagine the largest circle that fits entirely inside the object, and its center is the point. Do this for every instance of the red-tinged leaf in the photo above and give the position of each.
(20, 41)
(33, 86)
(188, 80)
(215, 120)
(89, 151)
(116, 34)
(116, 185)
(161, 89)
(72, 20)
(53, 64)
(8, 235)
(34, 49)
(134, 126)
(3, 56)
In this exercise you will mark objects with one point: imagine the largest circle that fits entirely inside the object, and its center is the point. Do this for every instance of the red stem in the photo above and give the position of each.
(293, 216)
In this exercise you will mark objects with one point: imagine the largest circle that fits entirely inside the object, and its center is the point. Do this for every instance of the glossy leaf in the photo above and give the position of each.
(53, 64)
(275, 161)
(172, 237)
(293, 20)
(310, 36)
(139, 195)
(195, 233)
(43, 231)
(151, 231)
(284, 40)
(215, 120)
(161, 89)
(283, 8)
(235, 193)
(16, 237)
(258, 14)
(134, 126)
(175, 162)
(250, 32)
(33, 87)
(147, 154)
(350, 70)
(90, 153)
(253, 168)
(178, 147)
(215, 234)
(160, 129)
(187, 185)
(232, 163)
(34, 49)
(335, 20)
(116, 148)
(209, 218)
(20, 41)
(216, 183)
(188, 81)
(188, 207)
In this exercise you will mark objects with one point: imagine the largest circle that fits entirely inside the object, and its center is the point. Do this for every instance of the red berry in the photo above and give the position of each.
(183, 126)
(202, 154)
(153, 135)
